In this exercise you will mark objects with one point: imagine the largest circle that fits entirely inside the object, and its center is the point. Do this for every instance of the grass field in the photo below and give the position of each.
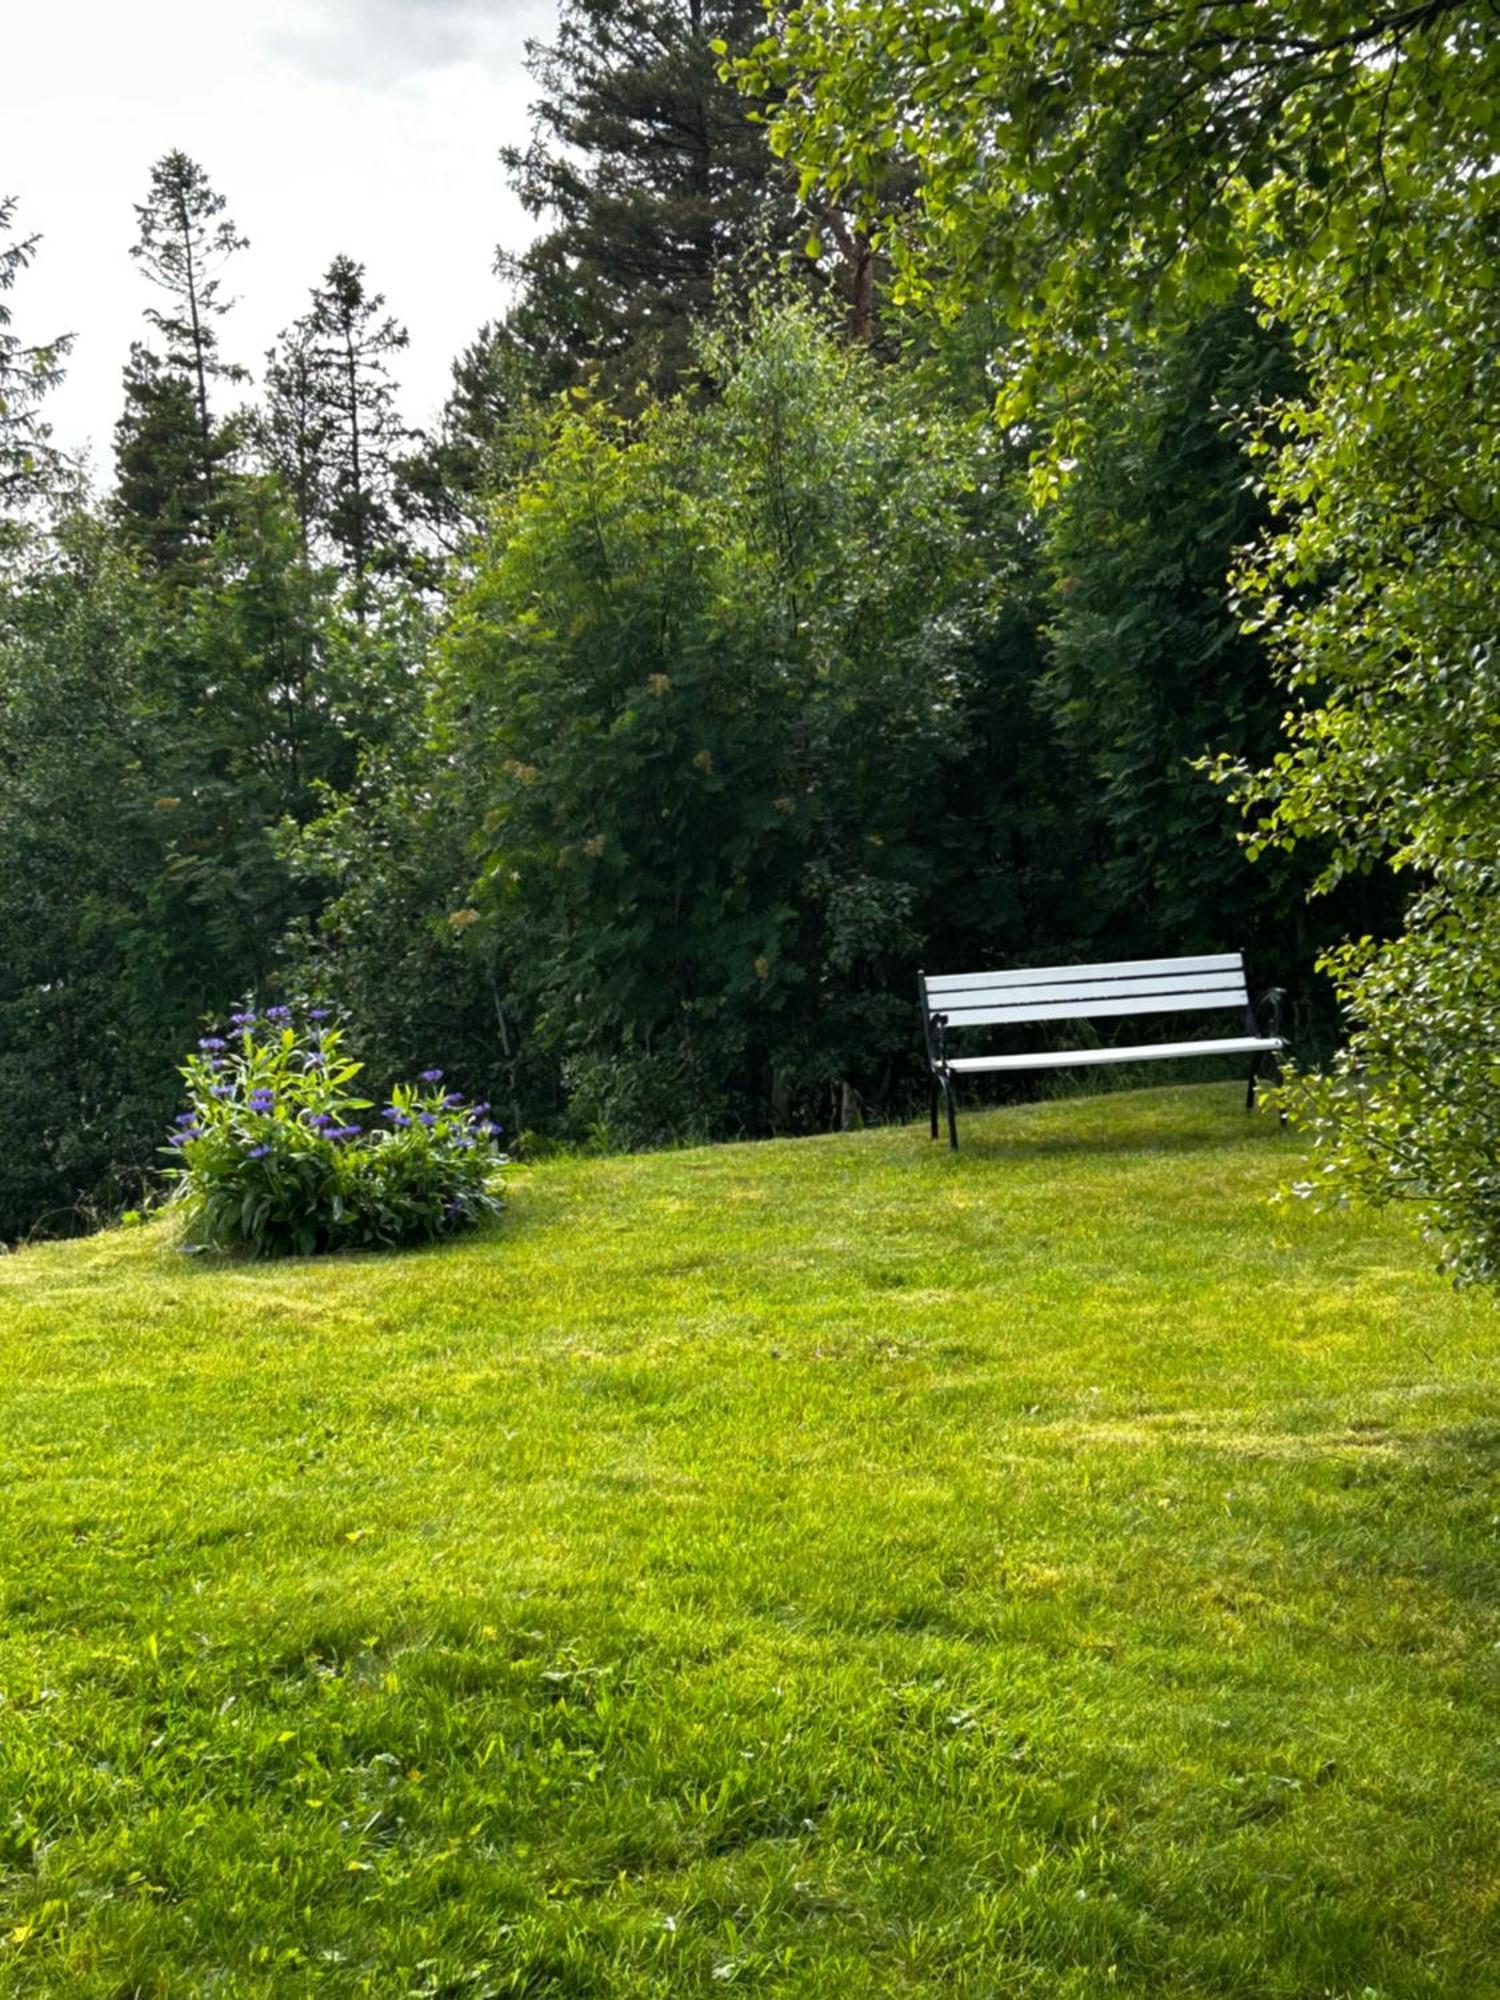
(829, 1569)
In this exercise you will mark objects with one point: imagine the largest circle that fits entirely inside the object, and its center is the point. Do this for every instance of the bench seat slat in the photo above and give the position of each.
(941, 983)
(1151, 1051)
(985, 1013)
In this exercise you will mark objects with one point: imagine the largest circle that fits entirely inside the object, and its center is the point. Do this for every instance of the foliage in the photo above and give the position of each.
(170, 451)
(28, 464)
(1044, 1569)
(482, 441)
(350, 345)
(1150, 670)
(153, 735)
(633, 1099)
(184, 240)
(703, 677)
(1102, 171)
(274, 1160)
(658, 192)
(387, 868)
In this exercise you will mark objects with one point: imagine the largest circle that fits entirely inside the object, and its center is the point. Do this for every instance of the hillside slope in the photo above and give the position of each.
(818, 1568)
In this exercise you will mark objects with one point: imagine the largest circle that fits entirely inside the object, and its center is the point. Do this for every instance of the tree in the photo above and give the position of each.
(293, 429)
(658, 189)
(481, 441)
(163, 497)
(156, 736)
(1103, 170)
(169, 448)
(28, 462)
(701, 700)
(1149, 670)
(355, 421)
(184, 240)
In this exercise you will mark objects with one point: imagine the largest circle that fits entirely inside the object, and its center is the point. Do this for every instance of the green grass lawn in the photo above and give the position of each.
(832, 1568)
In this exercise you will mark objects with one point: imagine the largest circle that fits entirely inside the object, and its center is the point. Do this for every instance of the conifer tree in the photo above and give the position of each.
(184, 241)
(444, 483)
(292, 428)
(355, 425)
(169, 447)
(27, 372)
(658, 187)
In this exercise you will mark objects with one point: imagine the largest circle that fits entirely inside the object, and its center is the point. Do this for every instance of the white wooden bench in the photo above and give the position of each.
(958, 1000)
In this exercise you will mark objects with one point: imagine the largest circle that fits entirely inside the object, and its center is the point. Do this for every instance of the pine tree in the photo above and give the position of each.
(660, 189)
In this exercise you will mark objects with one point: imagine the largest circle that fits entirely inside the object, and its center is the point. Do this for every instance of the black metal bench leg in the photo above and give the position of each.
(933, 1103)
(952, 1116)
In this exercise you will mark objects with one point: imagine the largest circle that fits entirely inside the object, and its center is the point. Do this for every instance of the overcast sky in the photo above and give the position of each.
(364, 126)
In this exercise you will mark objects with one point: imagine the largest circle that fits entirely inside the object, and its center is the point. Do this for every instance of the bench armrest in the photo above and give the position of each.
(940, 1040)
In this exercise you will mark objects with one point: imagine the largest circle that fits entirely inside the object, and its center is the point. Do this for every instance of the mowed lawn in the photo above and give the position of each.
(831, 1568)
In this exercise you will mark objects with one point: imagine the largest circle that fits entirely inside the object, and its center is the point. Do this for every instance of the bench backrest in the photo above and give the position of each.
(1078, 992)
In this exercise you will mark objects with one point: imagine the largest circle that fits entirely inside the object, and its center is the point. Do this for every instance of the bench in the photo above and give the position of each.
(957, 1000)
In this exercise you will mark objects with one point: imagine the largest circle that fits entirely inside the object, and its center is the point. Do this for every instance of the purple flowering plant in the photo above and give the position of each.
(273, 1156)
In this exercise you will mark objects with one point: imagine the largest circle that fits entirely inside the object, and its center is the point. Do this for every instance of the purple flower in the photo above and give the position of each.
(455, 1207)
(257, 1152)
(212, 1042)
(454, 1097)
(430, 1076)
(278, 1013)
(478, 1110)
(318, 1013)
(242, 1020)
(319, 1119)
(428, 1117)
(222, 1090)
(186, 1118)
(399, 1119)
(262, 1099)
(345, 1132)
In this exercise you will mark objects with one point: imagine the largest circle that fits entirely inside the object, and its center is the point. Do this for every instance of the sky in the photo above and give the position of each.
(367, 127)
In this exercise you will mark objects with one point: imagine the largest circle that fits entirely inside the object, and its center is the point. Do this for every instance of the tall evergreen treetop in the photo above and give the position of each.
(292, 429)
(657, 184)
(185, 240)
(358, 428)
(27, 372)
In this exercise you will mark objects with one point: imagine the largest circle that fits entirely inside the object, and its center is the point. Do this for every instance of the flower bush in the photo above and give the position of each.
(276, 1156)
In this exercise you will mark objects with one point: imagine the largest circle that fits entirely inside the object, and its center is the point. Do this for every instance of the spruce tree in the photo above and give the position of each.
(444, 483)
(357, 428)
(184, 240)
(169, 447)
(293, 426)
(28, 461)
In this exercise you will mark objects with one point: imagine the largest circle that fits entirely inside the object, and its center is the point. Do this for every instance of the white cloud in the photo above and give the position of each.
(386, 42)
(362, 126)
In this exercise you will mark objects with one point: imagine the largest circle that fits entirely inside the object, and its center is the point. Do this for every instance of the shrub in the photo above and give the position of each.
(274, 1158)
(638, 1099)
